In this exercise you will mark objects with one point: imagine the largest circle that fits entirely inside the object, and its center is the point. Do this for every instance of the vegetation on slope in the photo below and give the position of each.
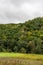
(22, 38)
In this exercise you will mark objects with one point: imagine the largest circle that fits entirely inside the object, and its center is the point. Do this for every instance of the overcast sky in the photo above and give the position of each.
(17, 11)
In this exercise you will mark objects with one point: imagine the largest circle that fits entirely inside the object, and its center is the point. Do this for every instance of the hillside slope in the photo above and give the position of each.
(22, 38)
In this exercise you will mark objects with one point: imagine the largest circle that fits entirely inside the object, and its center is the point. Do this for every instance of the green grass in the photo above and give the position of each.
(20, 59)
(24, 56)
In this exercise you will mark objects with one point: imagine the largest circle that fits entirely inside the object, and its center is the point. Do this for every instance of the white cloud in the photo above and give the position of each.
(17, 11)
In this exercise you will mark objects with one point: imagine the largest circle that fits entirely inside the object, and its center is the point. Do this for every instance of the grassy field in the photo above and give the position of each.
(25, 56)
(20, 59)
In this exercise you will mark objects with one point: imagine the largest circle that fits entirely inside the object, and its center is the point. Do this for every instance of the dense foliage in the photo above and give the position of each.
(23, 37)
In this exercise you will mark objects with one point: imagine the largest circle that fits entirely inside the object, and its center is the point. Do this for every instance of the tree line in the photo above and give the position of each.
(23, 37)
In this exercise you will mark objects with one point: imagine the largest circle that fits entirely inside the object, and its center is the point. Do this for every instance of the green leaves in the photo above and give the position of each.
(23, 38)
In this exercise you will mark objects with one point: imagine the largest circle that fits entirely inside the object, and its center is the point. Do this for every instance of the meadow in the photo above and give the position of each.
(20, 59)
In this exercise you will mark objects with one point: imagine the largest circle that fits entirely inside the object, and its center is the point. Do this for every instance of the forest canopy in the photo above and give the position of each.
(23, 37)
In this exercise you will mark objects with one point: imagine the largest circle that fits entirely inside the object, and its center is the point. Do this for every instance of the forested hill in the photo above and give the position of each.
(22, 38)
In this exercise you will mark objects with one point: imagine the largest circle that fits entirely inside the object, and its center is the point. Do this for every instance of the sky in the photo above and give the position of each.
(18, 11)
